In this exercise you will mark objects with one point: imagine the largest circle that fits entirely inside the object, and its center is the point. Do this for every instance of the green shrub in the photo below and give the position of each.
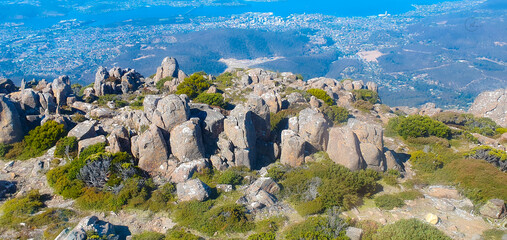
(203, 217)
(262, 236)
(335, 184)
(148, 236)
(272, 224)
(422, 126)
(493, 234)
(362, 105)
(487, 153)
(432, 140)
(161, 198)
(366, 95)
(16, 210)
(224, 80)
(484, 126)
(426, 162)
(388, 202)
(280, 119)
(4, 149)
(410, 195)
(231, 177)
(160, 84)
(193, 86)
(390, 177)
(93, 199)
(322, 95)
(180, 234)
(43, 138)
(276, 173)
(410, 229)
(138, 103)
(66, 145)
(336, 114)
(501, 130)
(319, 227)
(212, 99)
(78, 118)
(312, 207)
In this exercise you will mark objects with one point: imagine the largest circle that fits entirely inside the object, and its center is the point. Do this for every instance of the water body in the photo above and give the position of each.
(52, 12)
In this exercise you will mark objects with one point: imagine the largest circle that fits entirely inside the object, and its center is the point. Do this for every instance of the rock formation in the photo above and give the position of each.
(11, 129)
(492, 104)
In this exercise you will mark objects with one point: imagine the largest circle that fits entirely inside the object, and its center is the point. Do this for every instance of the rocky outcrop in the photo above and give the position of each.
(344, 148)
(193, 189)
(81, 145)
(292, 149)
(212, 125)
(168, 68)
(99, 85)
(494, 208)
(7, 86)
(240, 130)
(88, 225)
(116, 81)
(260, 117)
(185, 170)
(186, 141)
(313, 128)
(83, 130)
(119, 140)
(491, 104)
(151, 150)
(260, 194)
(11, 130)
(171, 111)
(61, 90)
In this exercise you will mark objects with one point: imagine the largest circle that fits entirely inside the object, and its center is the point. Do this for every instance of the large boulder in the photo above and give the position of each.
(494, 208)
(61, 89)
(186, 141)
(168, 68)
(30, 102)
(260, 194)
(151, 149)
(119, 140)
(193, 189)
(313, 128)
(491, 104)
(11, 130)
(293, 149)
(185, 170)
(88, 225)
(212, 125)
(344, 148)
(171, 111)
(240, 130)
(260, 117)
(7, 86)
(100, 78)
(81, 145)
(83, 130)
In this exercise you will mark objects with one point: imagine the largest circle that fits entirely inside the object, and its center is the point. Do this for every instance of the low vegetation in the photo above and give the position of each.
(469, 122)
(322, 95)
(366, 95)
(212, 99)
(193, 86)
(336, 114)
(319, 227)
(409, 229)
(160, 84)
(418, 126)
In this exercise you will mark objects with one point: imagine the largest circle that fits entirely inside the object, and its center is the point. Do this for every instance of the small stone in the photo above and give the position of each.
(431, 218)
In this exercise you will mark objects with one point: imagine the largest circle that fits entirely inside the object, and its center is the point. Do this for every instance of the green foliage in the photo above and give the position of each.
(501, 130)
(432, 140)
(390, 177)
(160, 84)
(280, 119)
(388, 201)
(363, 105)
(469, 122)
(117, 99)
(299, 77)
(276, 173)
(336, 114)
(335, 185)
(78, 118)
(180, 234)
(322, 95)
(231, 177)
(426, 162)
(148, 236)
(493, 234)
(366, 95)
(419, 126)
(272, 224)
(410, 195)
(487, 153)
(206, 218)
(262, 236)
(224, 80)
(319, 227)
(4, 149)
(410, 229)
(43, 137)
(161, 198)
(66, 145)
(16, 210)
(212, 99)
(138, 103)
(193, 86)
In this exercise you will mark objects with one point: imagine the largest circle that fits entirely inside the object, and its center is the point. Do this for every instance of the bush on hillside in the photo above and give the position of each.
(212, 99)
(410, 229)
(180, 234)
(388, 202)
(469, 122)
(420, 126)
(262, 236)
(426, 162)
(319, 227)
(336, 114)
(66, 147)
(363, 105)
(193, 86)
(224, 80)
(366, 95)
(17, 209)
(487, 153)
(322, 95)
(160, 84)
(44, 137)
(231, 177)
